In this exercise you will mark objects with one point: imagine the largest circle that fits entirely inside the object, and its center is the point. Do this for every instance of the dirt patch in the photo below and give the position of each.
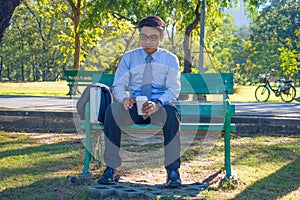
(51, 138)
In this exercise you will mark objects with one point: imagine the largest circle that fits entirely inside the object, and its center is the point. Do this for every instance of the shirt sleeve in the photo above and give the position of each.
(173, 84)
(121, 80)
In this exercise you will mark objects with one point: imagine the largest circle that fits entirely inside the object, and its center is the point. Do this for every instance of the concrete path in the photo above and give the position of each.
(250, 117)
(65, 104)
(37, 103)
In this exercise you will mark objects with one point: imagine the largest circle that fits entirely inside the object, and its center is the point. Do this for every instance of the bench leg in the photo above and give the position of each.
(227, 147)
(88, 149)
(227, 154)
(87, 160)
(70, 93)
(85, 176)
(88, 144)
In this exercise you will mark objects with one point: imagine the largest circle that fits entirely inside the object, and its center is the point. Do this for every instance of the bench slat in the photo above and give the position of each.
(152, 127)
(211, 83)
(79, 73)
(106, 79)
(203, 109)
(79, 80)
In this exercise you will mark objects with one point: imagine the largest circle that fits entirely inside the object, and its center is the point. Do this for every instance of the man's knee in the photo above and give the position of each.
(117, 112)
(172, 112)
(111, 111)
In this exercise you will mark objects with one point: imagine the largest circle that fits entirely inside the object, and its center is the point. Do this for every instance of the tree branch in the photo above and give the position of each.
(38, 21)
(121, 17)
(57, 4)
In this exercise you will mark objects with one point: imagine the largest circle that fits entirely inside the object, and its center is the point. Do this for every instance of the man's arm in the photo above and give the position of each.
(121, 81)
(173, 84)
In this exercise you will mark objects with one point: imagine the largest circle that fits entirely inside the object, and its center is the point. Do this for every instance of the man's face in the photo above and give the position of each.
(150, 39)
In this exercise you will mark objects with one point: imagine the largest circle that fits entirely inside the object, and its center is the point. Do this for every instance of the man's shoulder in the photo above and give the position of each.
(137, 51)
(166, 52)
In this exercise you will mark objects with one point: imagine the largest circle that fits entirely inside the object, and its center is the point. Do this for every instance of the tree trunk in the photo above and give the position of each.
(76, 8)
(76, 14)
(33, 71)
(77, 42)
(187, 51)
(186, 41)
(202, 26)
(8, 73)
(7, 8)
(22, 73)
(1, 67)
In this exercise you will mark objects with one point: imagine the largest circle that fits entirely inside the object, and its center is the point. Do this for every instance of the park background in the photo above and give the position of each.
(45, 37)
(42, 40)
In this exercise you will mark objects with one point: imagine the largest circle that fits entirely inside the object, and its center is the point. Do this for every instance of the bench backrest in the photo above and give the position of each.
(81, 75)
(206, 83)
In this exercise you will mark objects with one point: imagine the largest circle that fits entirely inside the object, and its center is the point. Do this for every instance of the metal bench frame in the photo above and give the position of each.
(203, 84)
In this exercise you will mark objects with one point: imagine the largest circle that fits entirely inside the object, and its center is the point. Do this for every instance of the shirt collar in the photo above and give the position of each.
(154, 55)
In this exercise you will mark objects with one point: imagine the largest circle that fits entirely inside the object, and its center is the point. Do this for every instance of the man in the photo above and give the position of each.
(161, 85)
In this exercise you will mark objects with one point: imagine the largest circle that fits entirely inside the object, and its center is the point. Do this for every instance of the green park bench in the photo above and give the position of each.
(76, 78)
(216, 84)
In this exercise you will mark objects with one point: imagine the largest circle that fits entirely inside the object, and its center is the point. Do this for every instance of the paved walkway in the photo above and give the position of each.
(57, 114)
(37, 103)
(65, 104)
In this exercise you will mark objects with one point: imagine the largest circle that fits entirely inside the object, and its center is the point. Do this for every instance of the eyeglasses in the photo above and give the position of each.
(151, 37)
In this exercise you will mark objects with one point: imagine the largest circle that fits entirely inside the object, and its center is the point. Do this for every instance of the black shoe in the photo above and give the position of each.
(173, 180)
(107, 177)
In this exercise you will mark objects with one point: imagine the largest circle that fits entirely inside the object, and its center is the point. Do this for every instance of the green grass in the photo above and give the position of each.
(39, 169)
(38, 166)
(60, 88)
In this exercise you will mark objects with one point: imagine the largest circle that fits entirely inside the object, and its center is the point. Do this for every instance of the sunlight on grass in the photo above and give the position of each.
(267, 167)
(58, 88)
(33, 170)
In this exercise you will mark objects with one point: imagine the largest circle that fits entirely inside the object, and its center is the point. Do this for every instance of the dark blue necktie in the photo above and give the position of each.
(147, 78)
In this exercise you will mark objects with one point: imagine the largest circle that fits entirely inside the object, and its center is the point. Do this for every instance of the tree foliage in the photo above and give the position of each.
(43, 33)
(275, 44)
(30, 48)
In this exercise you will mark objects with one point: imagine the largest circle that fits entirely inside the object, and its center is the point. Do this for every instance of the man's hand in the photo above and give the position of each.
(128, 102)
(150, 107)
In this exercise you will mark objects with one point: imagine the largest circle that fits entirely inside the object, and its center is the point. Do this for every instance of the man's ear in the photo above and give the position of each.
(162, 35)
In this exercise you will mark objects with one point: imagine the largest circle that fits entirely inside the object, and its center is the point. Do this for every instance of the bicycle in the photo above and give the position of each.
(286, 89)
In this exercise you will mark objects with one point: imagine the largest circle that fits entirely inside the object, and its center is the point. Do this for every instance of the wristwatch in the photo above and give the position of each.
(158, 102)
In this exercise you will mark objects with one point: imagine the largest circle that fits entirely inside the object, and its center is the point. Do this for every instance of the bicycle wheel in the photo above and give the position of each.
(262, 93)
(288, 95)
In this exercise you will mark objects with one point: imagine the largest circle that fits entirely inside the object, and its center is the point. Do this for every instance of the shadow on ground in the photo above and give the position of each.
(272, 185)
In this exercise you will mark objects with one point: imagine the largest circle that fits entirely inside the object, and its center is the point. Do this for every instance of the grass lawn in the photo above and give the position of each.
(38, 166)
(55, 88)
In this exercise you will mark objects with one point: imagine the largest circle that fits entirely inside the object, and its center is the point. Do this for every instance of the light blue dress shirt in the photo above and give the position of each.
(165, 75)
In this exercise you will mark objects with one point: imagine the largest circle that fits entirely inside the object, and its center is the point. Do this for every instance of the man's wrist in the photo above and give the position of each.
(159, 103)
(124, 99)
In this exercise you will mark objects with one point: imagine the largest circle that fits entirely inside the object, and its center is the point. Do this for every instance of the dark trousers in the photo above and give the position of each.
(167, 116)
